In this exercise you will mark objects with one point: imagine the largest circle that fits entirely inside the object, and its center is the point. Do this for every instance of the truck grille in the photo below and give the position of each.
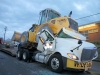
(88, 54)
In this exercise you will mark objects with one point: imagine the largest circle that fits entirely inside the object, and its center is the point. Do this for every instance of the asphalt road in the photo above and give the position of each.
(11, 66)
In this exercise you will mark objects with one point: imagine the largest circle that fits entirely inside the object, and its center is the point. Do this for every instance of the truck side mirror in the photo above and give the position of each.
(79, 41)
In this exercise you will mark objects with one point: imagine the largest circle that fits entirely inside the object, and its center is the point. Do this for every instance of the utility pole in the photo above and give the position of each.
(5, 29)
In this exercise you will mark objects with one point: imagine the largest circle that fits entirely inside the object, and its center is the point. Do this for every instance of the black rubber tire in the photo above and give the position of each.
(23, 42)
(25, 55)
(60, 68)
(19, 54)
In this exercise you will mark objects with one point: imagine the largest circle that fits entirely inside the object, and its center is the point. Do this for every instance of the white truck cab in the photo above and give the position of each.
(67, 50)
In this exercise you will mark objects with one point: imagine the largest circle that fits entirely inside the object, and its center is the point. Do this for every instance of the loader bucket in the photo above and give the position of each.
(16, 36)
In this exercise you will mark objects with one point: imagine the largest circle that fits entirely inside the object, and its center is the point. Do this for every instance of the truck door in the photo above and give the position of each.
(46, 42)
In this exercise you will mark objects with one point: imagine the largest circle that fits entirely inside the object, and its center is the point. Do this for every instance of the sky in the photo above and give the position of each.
(19, 15)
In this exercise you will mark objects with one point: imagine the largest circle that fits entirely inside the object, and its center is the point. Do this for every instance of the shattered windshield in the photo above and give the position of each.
(61, 34)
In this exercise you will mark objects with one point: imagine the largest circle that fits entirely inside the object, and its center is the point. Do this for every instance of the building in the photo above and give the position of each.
(91, 31)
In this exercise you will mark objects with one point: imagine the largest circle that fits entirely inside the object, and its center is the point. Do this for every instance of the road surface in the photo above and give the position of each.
(11, 66)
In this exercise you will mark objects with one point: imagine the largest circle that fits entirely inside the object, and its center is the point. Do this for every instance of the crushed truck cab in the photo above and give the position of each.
(72, 53)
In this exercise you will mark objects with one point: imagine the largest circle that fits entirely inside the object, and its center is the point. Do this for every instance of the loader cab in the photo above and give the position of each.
(73, 24)
(47, 14)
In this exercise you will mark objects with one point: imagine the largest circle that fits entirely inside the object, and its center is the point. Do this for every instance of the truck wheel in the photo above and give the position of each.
(19, 54)
(25, 55)
(55, 63)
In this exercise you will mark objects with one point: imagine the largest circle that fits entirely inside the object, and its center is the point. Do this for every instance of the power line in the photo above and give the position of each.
(87, 16)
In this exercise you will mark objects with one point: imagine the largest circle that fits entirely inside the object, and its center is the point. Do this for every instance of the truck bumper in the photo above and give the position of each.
(70, 64)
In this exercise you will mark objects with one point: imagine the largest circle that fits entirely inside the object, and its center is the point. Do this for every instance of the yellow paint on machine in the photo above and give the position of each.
(76, 65)
(31, 36)
(55, 26)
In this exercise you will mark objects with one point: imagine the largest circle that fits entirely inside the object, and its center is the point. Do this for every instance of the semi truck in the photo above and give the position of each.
(56, 42)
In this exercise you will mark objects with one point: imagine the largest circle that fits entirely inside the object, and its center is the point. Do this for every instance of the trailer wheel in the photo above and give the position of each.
(25, 55)
(55, 63)
(19, 54)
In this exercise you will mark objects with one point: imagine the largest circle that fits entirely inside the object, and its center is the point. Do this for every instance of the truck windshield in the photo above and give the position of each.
(61, 34)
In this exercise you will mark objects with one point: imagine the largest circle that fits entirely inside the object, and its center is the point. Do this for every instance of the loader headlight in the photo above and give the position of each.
(47, 45)
(72, 56)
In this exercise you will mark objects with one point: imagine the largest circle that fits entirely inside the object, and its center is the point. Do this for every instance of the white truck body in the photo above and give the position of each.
(68, 49)
(65, 45)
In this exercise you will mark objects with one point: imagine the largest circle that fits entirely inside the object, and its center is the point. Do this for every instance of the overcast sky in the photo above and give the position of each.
(19, 15)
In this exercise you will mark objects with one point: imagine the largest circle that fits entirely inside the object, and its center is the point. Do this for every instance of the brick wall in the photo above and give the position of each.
(93, 37)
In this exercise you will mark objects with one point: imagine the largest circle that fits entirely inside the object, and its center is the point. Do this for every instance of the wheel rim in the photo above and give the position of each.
(24, 55)
(55, 63)
(18, 54)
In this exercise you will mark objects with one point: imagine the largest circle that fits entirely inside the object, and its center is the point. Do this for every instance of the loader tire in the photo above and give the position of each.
(55, 63)
(19, 54)
(25, 55)
(24, 38)
(44, 27)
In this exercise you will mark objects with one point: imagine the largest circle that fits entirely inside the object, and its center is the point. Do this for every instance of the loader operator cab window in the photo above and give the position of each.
(42, 17)
(47, 14)
(73, 24)
(53, 15)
